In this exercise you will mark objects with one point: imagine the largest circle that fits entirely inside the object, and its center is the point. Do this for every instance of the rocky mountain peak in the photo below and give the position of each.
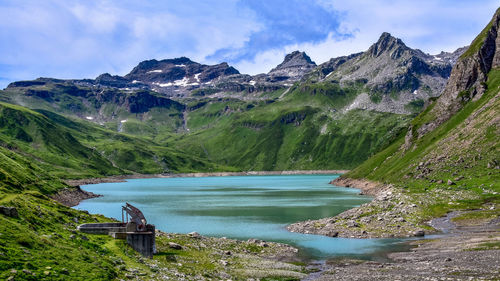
(294, 66)
(296, 58)
(387, 43)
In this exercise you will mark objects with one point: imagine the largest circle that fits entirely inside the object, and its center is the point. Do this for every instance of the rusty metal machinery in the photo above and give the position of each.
(136, 217)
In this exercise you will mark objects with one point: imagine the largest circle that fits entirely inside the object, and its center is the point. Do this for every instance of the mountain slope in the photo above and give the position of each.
(453, 166)
(393, 75)
(458, 134)
(298, 116)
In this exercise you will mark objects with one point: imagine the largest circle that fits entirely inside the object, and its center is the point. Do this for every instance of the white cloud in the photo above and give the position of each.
(432, 26)
(76, 39)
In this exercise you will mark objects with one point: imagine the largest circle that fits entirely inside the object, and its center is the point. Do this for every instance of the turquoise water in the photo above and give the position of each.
(242, 207)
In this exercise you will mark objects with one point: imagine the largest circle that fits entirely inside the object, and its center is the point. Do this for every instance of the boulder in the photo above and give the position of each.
(174, 246)
(418, 233)
(194, 234)
(9, 211)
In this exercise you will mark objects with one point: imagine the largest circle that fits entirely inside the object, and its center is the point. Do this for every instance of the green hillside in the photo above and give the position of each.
(454, 144)
(307, 129)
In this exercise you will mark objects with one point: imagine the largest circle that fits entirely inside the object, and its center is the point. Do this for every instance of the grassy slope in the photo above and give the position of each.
(133, 153)
(77, 149)
(466, 148)
(51, 146)
(41, 242)
(305, 130)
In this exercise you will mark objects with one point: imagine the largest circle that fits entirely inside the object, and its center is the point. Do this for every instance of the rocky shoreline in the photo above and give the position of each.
(122, 178)
(72, 196)
(387, 215)
(394, 212)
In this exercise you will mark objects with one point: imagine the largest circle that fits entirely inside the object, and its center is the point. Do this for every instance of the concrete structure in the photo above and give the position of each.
(139, 235)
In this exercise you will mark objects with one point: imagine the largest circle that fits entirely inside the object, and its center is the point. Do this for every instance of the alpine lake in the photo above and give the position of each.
(244, 207)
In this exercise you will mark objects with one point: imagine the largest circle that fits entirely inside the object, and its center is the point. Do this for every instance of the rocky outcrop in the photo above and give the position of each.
(294, 67)
(390, 76)
(468, 77)
(72, 196)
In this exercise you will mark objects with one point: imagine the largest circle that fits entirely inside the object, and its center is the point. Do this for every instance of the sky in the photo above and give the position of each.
(82, 39)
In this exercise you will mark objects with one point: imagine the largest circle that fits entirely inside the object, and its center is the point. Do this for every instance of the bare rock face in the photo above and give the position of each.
(390, 75)
(294, 66)
(468, 77)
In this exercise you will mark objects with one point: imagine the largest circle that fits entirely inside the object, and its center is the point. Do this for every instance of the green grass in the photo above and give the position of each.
(487, 246)
(39, 241)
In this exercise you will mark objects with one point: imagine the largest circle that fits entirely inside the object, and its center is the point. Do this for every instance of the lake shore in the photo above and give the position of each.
(122, 178)
(468, 247)
(73, 195)
(467, 251)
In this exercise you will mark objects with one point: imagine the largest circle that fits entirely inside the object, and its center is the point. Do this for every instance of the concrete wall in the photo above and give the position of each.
(143, 242)
(102, 228)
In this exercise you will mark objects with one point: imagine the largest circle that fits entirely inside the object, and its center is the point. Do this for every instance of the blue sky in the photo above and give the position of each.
(82, 39)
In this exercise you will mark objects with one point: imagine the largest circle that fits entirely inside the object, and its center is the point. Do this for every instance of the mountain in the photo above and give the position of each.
(293, 67)
(442, 172)
(458, 133)
(297, 116)
(395, 78)
(449, 158)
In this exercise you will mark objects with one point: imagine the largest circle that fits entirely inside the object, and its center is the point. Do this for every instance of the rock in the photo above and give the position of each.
(365, 219)
(450, 182)
(352, 223)
(174, 246)
(72, 236)
(440, 182)
(255, 241)
(333, 234)
(458, 178)
(194, 234)
(447, 259)
(9, 211)
(223, 262)
(418, 233)
(228, 253)
(85, 238)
